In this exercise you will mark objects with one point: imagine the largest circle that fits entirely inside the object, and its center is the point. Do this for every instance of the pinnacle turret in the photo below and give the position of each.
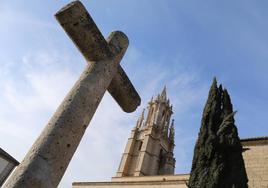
(140, 120)
(164, 93)
(172, 133)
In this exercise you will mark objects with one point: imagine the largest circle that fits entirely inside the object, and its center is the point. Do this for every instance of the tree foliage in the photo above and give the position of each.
(218, 161)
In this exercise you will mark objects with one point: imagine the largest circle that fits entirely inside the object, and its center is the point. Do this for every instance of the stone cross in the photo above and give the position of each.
(46, 162)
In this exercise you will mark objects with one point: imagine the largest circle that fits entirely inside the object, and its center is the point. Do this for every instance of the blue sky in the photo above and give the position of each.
(181, 44)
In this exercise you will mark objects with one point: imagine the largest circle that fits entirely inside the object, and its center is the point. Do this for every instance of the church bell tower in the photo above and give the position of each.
(149, 150)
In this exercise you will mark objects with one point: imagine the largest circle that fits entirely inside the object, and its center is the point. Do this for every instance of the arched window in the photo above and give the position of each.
(140, 145)
(163, 113)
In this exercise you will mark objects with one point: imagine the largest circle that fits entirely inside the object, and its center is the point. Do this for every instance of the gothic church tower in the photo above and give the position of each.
(149, 150)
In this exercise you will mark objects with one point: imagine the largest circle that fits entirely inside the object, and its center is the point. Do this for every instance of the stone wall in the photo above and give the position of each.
(255, 157)
(256, 161)
(165, 181)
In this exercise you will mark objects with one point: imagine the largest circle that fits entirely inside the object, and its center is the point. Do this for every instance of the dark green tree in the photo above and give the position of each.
(218, 160)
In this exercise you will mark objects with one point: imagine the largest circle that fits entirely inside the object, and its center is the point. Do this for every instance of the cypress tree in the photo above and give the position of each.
(218, 160)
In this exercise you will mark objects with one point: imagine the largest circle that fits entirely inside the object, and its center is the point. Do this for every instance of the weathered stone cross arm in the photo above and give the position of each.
(48, 158)
(81, 28)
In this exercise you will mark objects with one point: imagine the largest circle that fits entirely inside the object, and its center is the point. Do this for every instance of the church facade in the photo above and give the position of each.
(148, 159)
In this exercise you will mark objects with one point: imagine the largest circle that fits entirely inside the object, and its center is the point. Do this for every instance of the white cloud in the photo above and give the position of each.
(33, 87)
(30, 98)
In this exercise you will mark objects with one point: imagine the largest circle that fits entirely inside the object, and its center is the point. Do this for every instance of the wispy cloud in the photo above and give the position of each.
(171, 43)
(33, 95)
(30, 93)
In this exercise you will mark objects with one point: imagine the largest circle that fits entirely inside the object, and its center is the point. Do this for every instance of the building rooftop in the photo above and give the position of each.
(8, 157)
(254, 139)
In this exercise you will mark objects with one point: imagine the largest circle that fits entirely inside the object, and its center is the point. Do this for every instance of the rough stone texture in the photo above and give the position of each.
(81, 28)
(47, 160)
(218, 161)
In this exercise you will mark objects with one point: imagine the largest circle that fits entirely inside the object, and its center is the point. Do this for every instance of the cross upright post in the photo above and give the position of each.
(46, 162)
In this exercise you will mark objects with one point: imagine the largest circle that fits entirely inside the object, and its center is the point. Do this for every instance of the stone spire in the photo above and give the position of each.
(218, 161)
(140, 120)
(171, 137)
(164, 93)
(149, 150)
